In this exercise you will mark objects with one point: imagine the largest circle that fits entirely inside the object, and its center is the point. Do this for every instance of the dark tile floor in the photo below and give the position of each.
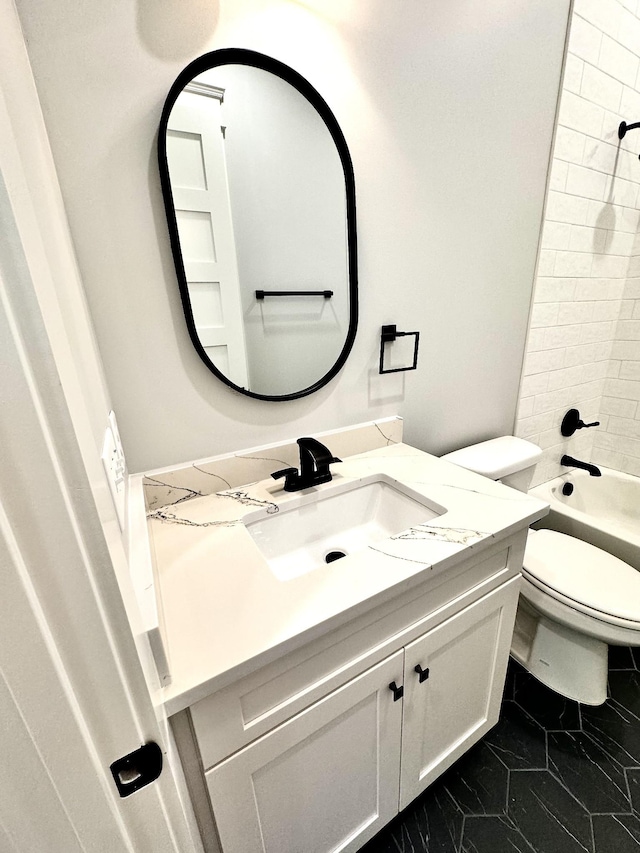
(552, 777)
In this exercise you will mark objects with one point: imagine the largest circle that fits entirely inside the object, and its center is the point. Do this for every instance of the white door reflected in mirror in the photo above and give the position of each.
(196, 157)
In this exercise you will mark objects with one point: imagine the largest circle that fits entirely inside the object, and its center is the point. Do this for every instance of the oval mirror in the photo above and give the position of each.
(260, 199)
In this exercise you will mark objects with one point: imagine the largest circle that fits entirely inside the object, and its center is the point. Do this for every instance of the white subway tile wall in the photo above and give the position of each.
(583, 349)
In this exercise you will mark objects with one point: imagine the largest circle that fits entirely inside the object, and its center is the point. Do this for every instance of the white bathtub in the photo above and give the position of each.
(602, 510)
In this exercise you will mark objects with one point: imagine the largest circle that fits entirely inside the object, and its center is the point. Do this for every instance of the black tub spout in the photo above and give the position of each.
(576, 463)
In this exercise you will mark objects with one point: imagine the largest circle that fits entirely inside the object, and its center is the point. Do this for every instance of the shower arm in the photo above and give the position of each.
(624, 127)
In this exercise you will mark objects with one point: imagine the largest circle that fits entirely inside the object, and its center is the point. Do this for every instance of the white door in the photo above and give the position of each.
(72, 694)
(73, 698)
(56, 790)
(198, 172)
(459, 700)
(326, 780)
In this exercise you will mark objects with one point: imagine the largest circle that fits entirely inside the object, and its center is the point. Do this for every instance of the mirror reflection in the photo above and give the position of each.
(259, 203)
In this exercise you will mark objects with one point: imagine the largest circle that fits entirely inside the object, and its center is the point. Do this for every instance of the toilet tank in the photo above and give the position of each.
(508, 459)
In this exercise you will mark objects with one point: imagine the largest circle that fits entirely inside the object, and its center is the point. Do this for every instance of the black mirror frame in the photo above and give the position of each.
(242, 56)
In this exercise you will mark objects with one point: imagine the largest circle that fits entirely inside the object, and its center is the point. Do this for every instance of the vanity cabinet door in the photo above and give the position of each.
(459, 699)
(326, 780)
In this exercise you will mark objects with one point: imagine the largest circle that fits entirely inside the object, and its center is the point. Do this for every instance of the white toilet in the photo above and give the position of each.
(575, 598)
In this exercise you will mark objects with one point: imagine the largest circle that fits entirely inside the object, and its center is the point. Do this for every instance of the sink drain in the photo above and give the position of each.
(331, 556)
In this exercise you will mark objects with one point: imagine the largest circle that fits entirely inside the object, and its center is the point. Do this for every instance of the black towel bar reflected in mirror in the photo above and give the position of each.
(260, 294)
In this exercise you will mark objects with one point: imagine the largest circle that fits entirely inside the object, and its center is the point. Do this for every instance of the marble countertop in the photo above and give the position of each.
(225, 613)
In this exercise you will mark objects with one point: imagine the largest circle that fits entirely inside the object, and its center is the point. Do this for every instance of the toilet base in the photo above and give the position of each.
(567, 661)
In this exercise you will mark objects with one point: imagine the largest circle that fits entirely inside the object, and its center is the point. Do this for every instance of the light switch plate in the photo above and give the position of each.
(115, 467)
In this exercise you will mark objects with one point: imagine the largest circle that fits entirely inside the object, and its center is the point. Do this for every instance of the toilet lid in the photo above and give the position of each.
(590, 579)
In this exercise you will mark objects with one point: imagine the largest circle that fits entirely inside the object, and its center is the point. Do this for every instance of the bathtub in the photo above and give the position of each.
(602, 510)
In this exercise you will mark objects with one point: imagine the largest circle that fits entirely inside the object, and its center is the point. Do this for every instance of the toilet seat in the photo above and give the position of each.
(584, 577)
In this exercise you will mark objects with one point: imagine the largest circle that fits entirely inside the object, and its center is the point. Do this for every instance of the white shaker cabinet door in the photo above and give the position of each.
(458, 701)
(327, 780)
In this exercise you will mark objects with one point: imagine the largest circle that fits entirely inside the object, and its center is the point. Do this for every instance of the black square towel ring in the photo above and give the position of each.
(387, 336)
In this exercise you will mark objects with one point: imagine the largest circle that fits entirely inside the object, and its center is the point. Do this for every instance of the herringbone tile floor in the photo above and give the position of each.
(552, 777)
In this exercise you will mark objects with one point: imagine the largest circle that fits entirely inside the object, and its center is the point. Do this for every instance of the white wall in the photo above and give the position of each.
(448, 111)
(583, 348)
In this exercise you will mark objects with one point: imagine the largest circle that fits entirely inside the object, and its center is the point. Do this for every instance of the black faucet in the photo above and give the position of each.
(576, 463)
(315, 459)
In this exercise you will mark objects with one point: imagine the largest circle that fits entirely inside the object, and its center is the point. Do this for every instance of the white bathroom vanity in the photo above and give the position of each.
(311, 701)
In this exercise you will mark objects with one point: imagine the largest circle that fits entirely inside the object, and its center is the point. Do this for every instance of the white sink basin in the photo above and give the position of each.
(335, 520)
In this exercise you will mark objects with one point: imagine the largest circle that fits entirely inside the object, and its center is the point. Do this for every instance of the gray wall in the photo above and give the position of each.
(287, 192)
(448, 109)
